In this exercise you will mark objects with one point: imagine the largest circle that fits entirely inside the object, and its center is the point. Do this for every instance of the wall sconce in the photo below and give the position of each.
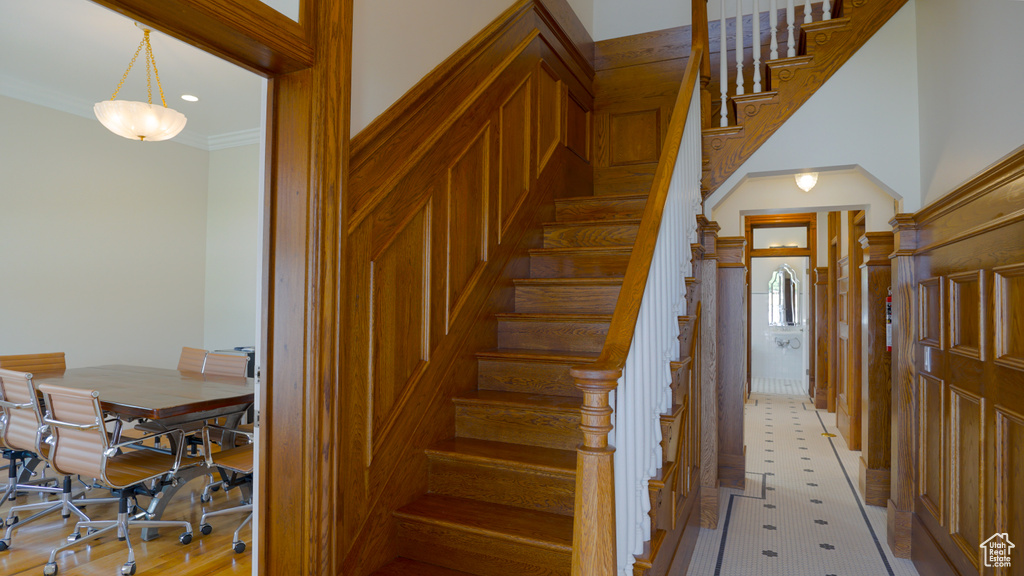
(806, 180)
(140, 120)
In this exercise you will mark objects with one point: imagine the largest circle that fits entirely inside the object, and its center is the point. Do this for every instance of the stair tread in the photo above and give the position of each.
(406, 567)
(602, 281)
(523, 456)
(604, 198)
(597, 222)
(722, 130)
(532, 527)
(582, 249)
(520, 400)
(825, 24)
(553, 356)
(552, 317)
(764, 95)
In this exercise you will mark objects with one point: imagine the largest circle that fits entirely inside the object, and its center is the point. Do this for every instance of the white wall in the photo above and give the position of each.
(970, 86)
(395, 43)
(232, 266)
(615, 18)
(584, 10)
(865, 115)
(102, 241)
(779, 195)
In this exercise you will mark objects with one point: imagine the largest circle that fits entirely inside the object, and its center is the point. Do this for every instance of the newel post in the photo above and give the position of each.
(904, 329)
(593, 537)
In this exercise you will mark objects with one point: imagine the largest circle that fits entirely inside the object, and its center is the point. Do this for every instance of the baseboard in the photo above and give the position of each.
(874, 484)
(926, 553)
(732, 469)
(898, 530)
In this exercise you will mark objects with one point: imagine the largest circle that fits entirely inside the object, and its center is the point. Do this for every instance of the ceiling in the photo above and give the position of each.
(70, 54)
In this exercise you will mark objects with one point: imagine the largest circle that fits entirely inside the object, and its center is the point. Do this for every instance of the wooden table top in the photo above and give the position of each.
(154, 393)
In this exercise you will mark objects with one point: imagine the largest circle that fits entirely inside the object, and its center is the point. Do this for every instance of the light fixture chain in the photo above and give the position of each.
(160, 87)
(130, 64)
(149, 76)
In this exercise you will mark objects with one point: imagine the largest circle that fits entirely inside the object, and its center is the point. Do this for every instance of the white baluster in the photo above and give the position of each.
(757, 46)
(807, 12)
(791, 41)
(723, 70)
(773, 22)
(739, 47)
(826, 10)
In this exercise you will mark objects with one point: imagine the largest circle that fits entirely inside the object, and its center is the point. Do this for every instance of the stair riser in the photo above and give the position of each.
(547, 299)
(502, 485)
(555, 335)
(591, 235)
(578, 265)
(479, 554)
(527, 378)
(519, 426)
(599, 209)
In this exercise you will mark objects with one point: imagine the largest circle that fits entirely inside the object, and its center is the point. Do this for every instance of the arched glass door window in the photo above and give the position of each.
(783, 297)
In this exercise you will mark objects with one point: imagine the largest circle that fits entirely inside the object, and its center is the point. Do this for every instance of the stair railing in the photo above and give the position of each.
(742, 13)
(630, 383)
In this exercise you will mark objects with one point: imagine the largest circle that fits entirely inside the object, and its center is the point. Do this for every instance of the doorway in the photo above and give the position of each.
(781, 255)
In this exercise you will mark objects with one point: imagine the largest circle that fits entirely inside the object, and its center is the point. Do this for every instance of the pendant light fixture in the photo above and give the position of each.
(142, 121)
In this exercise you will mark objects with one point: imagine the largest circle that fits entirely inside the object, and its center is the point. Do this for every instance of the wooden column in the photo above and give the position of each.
(904, 335)
(876, 373)
(732, 360)
(709, 375)
(821, 340)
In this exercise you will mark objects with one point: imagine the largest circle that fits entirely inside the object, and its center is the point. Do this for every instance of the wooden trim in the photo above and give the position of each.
(1003, 172)
(249, 34)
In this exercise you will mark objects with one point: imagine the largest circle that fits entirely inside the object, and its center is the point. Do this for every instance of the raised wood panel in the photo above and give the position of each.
(577, 127)
(1009, 472)
(634, 137)
(550, 105)
(932, 439)
(399, 287)
(930, 312)
(967, 474)
(967, 314)
(515, 153)
(467, 202)
(1009, 316)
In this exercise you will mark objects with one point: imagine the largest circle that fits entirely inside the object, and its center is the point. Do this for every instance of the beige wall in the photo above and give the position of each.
(615, 18)
(103, 241)
(395, 43)
(232, 254)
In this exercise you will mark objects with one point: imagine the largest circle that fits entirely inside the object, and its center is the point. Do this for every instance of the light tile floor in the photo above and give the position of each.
(776, 386)
(800, 513)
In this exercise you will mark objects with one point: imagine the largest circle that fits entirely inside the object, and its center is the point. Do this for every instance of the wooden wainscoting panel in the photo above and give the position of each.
(1009, 444)
(399, 320)
(550, 105)
(875, 369)
(1009, 316)
(577, 127)
(466, 242)
(515, 153)
(930, 307)
(932, 439)
(967, 489)
(634, 137)
(967, 314)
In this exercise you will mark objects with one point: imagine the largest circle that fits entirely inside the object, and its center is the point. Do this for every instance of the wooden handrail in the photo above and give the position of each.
(594, 523)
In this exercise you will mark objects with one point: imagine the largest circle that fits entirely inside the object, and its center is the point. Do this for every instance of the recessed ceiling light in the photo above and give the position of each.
(189, 98)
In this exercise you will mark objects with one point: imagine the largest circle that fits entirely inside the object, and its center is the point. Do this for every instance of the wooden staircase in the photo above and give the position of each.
(823, 47)
(501, 493)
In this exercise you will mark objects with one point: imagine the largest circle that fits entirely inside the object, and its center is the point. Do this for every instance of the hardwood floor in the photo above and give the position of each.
(210, 554)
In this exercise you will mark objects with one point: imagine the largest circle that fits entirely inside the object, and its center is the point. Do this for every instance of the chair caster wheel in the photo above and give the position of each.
(74, 537)
(65, 516)
(239, 547)
(128, 569)
(4, 545)
(215, 488)
(205, 529)
(205, 498)
(50, 569)
(185, 538)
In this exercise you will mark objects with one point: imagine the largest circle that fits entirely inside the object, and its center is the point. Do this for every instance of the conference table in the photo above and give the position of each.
(166, 398)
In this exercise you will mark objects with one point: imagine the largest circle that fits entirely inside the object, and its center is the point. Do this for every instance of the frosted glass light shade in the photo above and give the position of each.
(139, 120)
(807, 180)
